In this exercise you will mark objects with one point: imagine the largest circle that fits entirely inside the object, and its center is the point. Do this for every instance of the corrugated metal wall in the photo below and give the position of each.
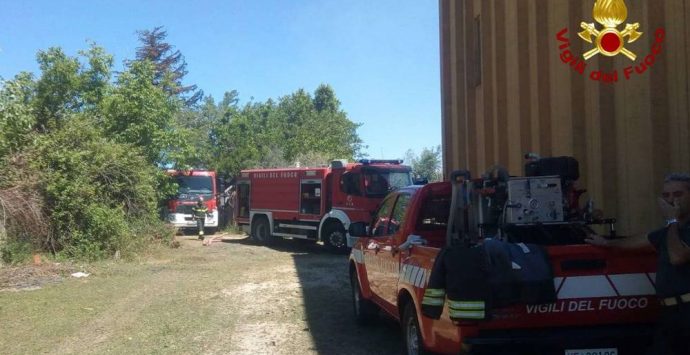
(506, 92)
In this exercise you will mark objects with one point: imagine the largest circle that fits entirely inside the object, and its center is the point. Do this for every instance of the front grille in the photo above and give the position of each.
(184, 209)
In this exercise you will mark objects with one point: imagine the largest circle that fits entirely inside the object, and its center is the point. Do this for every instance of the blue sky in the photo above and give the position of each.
(380, 56)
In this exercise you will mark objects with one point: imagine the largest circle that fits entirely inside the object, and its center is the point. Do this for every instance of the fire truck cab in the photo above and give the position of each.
(191, 185)
(314, 203)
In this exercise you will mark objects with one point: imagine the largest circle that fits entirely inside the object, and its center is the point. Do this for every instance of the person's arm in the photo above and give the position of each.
(633, 242)
(678, 251)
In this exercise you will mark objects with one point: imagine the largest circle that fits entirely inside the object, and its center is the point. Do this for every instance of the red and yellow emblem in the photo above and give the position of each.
(610, 41)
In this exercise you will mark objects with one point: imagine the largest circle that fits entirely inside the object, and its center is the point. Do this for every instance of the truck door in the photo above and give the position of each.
(382, 246)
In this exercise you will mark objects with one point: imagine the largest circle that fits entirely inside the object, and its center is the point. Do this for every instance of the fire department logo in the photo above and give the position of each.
(610, 41)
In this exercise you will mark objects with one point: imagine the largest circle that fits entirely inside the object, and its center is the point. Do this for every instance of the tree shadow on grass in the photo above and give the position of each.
(325, 283)
(328, 306)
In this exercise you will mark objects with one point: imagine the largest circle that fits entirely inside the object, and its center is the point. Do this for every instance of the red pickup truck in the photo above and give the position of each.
(604, 301)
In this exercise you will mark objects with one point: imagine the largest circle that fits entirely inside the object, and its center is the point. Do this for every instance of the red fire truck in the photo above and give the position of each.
(192, 184)
(500, 266)
(314, 203)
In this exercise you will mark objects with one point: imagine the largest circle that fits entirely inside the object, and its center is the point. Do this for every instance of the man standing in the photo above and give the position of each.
(200, 211)
(673, 266)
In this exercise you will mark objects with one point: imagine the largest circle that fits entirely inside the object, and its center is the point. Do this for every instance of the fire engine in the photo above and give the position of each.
(314, 203)
(191, 185)
(498, 264)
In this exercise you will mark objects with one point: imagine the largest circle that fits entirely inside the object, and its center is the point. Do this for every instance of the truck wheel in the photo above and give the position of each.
(365, 310)
(335, 238)
(261, 231)
(211, 230)
(412, 335)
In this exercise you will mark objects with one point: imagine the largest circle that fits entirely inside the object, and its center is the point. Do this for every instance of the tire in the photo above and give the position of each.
(412, 335)
(261, 231)
(335, 238)
(211, 230)
(365, 311)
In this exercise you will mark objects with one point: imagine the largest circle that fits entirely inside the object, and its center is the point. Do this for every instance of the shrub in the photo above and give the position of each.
(95, 189)
(15, 251)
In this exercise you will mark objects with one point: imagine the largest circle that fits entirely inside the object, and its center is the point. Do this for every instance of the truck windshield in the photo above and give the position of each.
(202, 185)
(378, 182)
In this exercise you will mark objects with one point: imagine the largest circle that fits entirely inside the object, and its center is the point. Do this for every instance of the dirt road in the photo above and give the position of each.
(228, 298)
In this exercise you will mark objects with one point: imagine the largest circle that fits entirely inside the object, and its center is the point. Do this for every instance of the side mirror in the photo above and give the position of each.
(411, 241)
(421, 181)
(357, 229)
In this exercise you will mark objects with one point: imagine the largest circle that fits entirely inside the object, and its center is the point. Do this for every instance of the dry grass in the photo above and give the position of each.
(22, 278)
(22, 215)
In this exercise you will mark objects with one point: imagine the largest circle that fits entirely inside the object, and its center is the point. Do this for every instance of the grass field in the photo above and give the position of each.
(228, 298)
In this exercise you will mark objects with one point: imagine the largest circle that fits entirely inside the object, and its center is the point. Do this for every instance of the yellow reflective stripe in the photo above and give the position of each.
(431, 301)
(467, 314)
(435, 292)
(466, 304)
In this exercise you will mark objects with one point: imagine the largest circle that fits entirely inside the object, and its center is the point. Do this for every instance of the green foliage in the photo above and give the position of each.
(199, 127)
(57, 88)
(66, 86)
(81, 153)
(138, 112)
(94, 80)
(298, 127)
(15, 251)
(427, 165)
(94, 188)
(16, 113)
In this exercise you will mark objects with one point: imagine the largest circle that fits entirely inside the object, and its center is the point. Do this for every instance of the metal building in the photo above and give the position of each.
(510, 87)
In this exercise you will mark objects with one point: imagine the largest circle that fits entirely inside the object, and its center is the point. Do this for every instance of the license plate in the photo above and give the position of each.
(609, 351)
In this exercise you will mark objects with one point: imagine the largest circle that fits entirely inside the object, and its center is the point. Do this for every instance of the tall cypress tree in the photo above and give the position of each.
(170, 64)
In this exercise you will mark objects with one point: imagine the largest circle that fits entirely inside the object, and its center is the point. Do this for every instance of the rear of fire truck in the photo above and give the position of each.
(507, 271)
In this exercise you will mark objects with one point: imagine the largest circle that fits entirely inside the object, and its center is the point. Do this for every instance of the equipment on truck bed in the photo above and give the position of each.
(541, 207)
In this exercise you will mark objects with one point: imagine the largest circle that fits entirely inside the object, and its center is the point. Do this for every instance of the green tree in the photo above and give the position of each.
(66, 86)
(95, 79)
(317, 125)
(17, 117)
(202, 123)
(325, 100)
(427, 165)
(69, 85)
(140, 113)
(238, 143)
(170, 65)
(57, 90)
(298, 127)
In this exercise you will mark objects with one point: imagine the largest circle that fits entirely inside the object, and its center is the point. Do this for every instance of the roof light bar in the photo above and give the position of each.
(380, 161)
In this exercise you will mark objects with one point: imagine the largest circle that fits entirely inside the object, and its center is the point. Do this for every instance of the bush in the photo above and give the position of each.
(23, 221)
(96, 189)
(78, 155)
(15, 251)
